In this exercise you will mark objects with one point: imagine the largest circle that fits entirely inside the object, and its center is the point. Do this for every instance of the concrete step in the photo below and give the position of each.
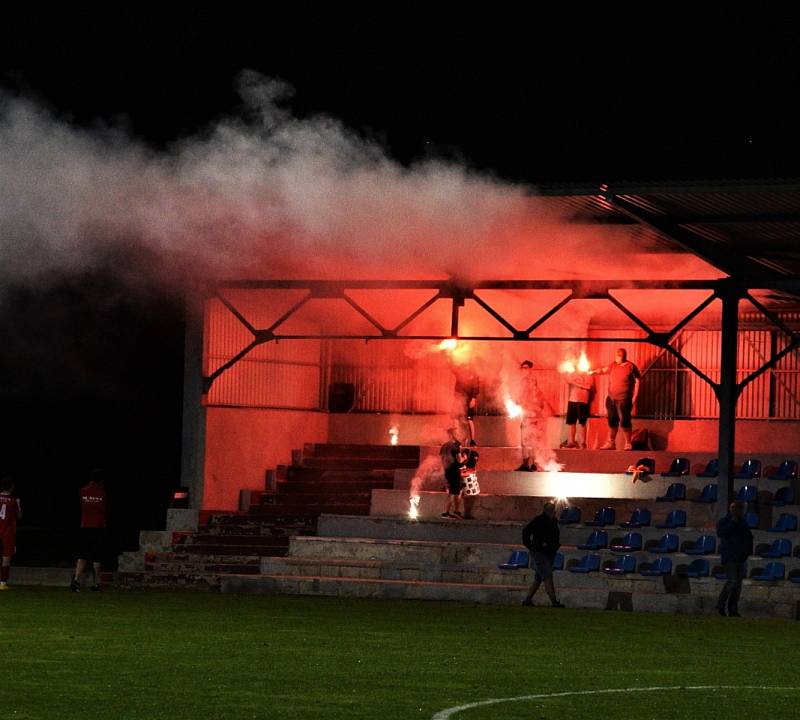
(186, 581)
(413, 551)
(356, 463)
(309, 511)
(244, 523)
(45, 576)
(610, 461)
(478, 531)
(320, 496)
(239, 550)
(692, 598)
(328, 486)
(178, 568)
(231, 539)
(407, 452)
(569, 484)
(300, 473)
(409, 571)
(523, 508)
(476, 554)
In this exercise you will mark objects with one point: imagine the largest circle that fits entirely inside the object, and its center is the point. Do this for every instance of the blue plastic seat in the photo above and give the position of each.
(630, 543)
(782, 547)
(708, 494)
(786, 471)
(752, 520)
(675, 492)
(570, 516)
(679, 467)
(698, 568)
(750, 470)
(773, 571)
(640, 517)
(747, 494)
(604, 516)
(519, 559)
(588, 563)
(667, 544)
(659, 566)
(787, 522)
(795, 578)
(622, 565)
(712, 469)
(704, 545)
(674, 519)
(783, 496)
(558, 562)
(597, 540)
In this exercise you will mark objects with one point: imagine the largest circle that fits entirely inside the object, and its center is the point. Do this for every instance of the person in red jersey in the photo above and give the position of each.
(93, 541)
(10, 512)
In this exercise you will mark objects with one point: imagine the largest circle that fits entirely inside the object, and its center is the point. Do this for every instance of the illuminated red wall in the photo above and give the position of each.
(242, 443)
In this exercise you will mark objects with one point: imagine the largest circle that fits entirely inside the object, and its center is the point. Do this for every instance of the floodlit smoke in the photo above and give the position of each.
(268, 195)
(428, 476)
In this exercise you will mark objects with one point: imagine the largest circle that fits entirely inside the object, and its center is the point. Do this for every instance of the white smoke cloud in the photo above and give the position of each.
(270, 195)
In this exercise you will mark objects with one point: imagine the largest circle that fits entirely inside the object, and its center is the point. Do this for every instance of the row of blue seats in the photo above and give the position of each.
(626, 564)
(669, 543)
(747, 493)
(641, 517)
(751, 469)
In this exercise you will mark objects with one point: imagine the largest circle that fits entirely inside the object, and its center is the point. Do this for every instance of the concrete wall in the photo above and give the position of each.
(242, 443)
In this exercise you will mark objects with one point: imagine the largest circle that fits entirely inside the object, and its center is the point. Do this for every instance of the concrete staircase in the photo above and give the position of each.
(324, 479)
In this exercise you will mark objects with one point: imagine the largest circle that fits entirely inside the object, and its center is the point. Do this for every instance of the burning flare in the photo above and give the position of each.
(513, 410)
(413, 507)
(393, 434)
(568, 366)
(449, 344)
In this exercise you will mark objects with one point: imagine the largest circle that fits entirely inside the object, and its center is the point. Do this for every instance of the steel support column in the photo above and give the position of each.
(193, 433)
(728, 392)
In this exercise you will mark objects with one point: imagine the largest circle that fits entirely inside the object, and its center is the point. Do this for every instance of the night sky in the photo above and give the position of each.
(92, 371)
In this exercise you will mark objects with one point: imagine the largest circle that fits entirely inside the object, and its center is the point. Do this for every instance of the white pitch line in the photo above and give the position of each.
(449, 712)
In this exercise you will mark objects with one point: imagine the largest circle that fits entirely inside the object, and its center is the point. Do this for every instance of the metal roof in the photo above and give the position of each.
(744, 227)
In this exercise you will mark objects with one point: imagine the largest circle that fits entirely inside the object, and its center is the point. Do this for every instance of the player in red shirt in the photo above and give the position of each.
(92, 546)
(9, 514)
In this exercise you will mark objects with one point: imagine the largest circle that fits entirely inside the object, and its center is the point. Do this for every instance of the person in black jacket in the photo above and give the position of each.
(541, 537)
(735, 547)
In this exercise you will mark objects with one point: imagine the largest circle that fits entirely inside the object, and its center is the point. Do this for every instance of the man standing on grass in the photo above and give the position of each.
(9, 514)
(735, 547)
(92, 546)
(542, 537)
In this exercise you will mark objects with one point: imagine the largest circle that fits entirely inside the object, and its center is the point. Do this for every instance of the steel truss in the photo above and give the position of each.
(458, 293)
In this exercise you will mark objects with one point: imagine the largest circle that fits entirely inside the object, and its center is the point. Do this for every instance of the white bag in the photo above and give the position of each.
(471, 486)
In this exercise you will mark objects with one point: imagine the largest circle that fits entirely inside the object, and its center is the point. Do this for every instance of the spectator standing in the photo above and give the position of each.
(93, 542)
(542, 537)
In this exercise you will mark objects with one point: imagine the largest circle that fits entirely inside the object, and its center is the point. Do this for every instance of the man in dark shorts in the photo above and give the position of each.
(452, 461)
(542, 537)
(623, 389)
(580, 390)
(9, 514)
(93, 541)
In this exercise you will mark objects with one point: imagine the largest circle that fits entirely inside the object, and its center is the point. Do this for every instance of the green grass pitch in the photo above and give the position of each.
(151, 654)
